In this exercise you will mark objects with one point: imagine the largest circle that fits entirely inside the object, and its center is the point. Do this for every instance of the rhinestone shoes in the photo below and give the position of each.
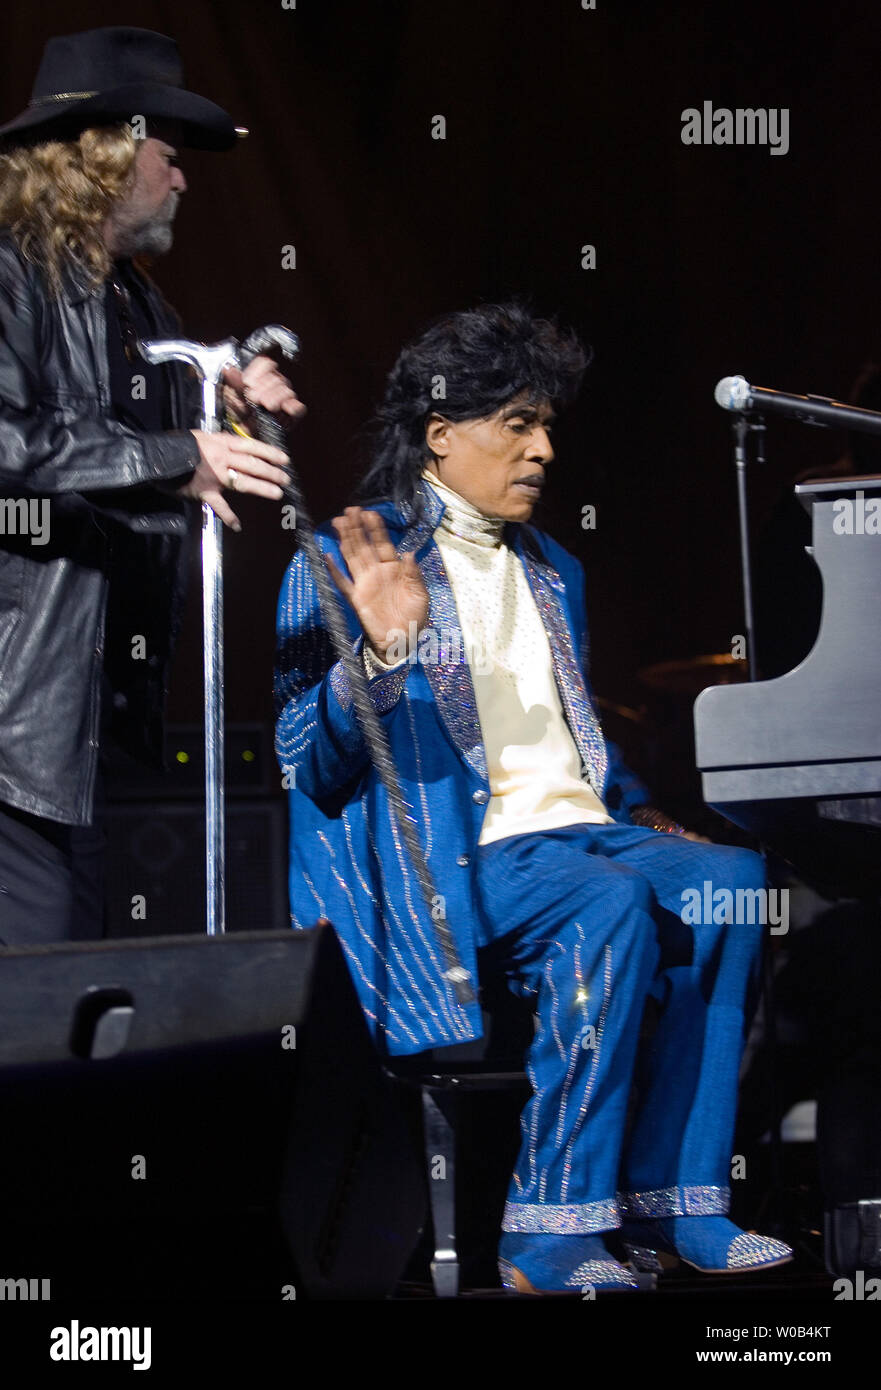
(710, 1244)
(559, 1264)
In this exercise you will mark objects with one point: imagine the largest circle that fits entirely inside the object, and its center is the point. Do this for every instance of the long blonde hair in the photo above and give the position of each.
(55, 198)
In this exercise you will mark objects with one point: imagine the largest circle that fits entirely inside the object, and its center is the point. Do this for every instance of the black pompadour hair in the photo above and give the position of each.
(466, 366)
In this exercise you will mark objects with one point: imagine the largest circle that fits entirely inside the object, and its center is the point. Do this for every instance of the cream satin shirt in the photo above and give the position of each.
(533, 764)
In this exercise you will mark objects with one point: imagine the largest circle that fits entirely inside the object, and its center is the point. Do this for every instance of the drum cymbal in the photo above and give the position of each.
(632, 716)
(691, 674)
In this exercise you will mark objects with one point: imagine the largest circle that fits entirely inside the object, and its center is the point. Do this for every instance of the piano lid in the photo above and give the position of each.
(838, 487)
(816, 731)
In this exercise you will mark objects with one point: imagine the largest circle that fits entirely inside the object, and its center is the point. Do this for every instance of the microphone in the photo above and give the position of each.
(735, 393)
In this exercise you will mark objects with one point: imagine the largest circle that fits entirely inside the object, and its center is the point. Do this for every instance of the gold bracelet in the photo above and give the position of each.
(238, 429)
(653, 819)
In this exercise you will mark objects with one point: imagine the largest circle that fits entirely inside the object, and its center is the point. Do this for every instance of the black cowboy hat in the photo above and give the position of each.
(104, 76)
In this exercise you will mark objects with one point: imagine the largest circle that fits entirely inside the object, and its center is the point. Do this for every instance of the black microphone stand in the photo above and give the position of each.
(741, 427)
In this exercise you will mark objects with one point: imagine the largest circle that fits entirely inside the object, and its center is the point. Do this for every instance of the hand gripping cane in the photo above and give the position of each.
(271, 432)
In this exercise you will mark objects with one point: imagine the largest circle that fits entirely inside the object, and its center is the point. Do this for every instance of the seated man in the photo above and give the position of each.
(472, 629)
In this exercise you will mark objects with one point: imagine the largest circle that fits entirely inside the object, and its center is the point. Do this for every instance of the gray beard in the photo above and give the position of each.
(153, 238)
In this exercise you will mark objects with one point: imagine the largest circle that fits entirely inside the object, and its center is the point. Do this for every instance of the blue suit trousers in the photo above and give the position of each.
(588, 920)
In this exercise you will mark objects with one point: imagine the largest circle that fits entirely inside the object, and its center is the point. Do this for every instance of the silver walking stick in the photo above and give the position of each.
(209, 362)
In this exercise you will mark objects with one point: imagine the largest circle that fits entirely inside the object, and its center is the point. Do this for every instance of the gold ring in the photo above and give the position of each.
(233, 479)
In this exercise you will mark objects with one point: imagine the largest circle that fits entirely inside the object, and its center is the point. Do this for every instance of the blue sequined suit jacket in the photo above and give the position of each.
(347, 862)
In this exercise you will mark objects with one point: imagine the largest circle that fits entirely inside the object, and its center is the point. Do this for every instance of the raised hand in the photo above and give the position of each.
(386, 590)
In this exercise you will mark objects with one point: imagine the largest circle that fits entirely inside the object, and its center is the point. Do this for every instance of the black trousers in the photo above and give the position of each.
(51, 879)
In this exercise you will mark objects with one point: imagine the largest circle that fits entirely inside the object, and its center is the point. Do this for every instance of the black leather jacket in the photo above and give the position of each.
(58, 441)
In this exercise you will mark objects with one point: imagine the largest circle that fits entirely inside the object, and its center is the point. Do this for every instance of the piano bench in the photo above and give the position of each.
(443, 1078)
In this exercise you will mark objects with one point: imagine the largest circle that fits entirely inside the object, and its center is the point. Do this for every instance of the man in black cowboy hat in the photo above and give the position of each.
(97, 457)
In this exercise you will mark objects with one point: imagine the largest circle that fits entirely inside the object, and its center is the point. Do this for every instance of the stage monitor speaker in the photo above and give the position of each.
(853, 1238)
(250, 767)
(203, 1117)
(155, 867)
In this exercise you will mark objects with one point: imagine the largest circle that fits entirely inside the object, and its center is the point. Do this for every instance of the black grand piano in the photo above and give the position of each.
(797, 760)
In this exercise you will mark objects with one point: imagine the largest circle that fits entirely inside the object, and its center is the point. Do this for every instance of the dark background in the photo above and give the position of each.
(563, 128)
